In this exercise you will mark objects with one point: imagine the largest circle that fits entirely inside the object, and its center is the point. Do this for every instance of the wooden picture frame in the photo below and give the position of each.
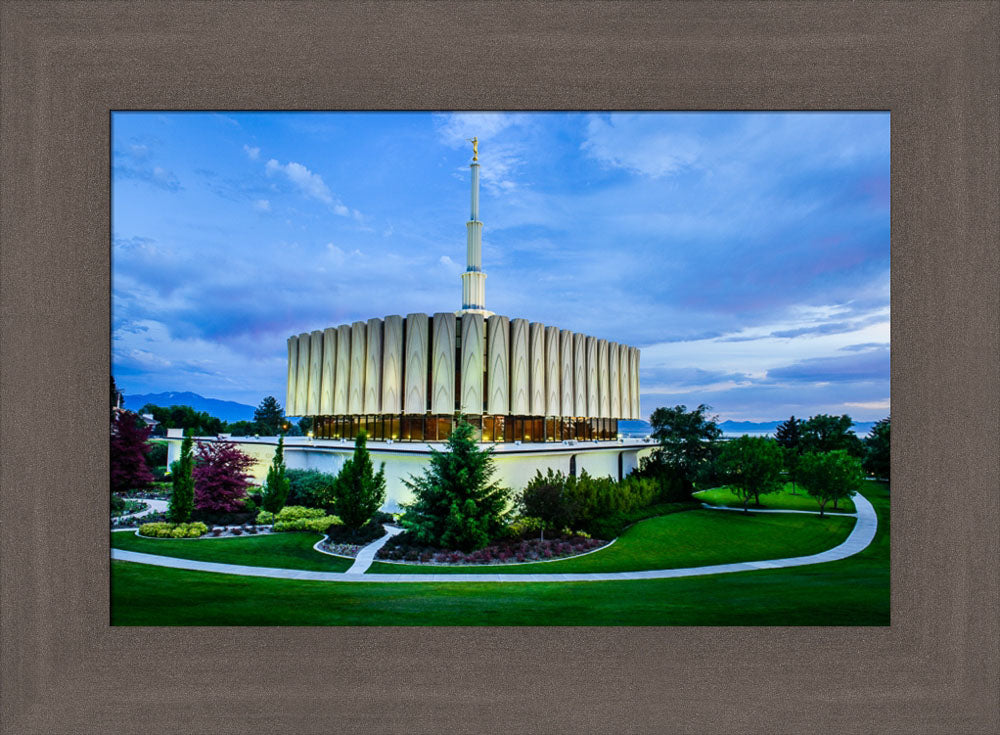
(66, 65)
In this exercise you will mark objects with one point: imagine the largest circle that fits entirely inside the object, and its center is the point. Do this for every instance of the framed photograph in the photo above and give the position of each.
(97, 640)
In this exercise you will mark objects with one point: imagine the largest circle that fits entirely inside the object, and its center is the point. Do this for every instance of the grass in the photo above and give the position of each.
(853, 591)
(691, 539)
(783, 500)
(284, 550)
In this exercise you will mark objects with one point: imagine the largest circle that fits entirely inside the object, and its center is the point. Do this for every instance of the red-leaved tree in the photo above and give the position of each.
(128, 453)
(220, 477)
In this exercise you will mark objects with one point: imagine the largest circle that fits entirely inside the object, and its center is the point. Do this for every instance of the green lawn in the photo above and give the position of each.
(852, 591)
(691, 539)
(284, 550)
(783, 500)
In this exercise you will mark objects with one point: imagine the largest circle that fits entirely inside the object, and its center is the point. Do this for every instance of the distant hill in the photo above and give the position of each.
(225, 410)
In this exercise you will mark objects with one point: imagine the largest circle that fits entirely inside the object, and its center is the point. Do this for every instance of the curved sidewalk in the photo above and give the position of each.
(859, 538)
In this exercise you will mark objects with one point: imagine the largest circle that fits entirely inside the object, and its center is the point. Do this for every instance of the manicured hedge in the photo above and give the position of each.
(173, 530)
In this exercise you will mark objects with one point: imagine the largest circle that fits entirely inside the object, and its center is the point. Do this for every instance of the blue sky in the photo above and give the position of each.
(746, 254)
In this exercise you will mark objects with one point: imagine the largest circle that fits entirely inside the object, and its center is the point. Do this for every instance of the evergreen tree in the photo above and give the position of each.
(276, 485)
(182, 498)
(751, 466)
(456, 506)
(789, 438)
(269, 416)
(128, 453)
(358, 491)
(877, 450)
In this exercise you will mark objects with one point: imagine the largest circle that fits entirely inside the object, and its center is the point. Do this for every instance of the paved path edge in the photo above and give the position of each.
(859, 538)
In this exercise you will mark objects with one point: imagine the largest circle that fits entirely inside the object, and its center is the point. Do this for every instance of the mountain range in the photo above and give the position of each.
(233, 411)
(226, 410)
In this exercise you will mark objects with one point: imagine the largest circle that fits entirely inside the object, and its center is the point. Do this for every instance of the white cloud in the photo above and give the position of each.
(309, 183)
(262, 205)
(252, 151)
(884, 403)
(624, 142)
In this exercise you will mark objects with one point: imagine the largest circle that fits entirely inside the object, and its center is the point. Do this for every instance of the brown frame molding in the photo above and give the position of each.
(64, 65)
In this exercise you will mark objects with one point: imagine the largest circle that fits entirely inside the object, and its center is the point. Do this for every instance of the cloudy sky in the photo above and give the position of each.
(746, 254)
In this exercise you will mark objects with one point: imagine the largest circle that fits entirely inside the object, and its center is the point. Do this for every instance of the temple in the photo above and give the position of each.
(409, 378)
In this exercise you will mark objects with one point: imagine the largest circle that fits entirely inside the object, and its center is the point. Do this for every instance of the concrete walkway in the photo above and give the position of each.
(155, 506)
(776, 510)
(859, 538)
(366, 555)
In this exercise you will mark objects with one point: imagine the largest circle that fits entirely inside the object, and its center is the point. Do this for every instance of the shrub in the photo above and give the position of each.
(299, 518)
(265, 517)
(297, 512)
(173, 530)
(311, 488)
(129, 470)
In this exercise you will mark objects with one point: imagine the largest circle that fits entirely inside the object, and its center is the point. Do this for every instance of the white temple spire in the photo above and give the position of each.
(474, 280)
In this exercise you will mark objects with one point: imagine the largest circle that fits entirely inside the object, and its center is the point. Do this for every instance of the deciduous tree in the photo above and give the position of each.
(128, 453)
(751, 466)
(825, 433)
(688, 439)
(220, 477)
(830, 476)
(789, 438)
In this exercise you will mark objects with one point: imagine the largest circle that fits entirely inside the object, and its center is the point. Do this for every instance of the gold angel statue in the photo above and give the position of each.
(475, 148)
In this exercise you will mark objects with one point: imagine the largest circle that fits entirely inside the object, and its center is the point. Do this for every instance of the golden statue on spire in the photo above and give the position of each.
(475, 148)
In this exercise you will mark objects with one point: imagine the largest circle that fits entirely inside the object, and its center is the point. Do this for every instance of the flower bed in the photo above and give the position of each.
(350, 550)
(128, 507)
(138, 520)
(517, 551)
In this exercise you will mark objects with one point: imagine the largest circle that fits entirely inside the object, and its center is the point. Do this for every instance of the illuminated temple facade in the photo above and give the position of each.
(410, 378)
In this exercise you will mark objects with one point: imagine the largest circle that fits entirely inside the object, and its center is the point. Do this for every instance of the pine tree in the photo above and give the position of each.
(789, 438)
(269, 416)
(456, 506)
(358, 491)
(182, 498)
(276, 485)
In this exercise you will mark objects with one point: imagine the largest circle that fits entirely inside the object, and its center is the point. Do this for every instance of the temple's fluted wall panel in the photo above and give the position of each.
(566, 397)
(615, 392)
(624, 380)
(302, 380)
(373, 367)
(329, 371)
(519, 367)
(392, 364)
(443, 363)
(342, 380)
(501, 367)
(497, 374)
(315, 371)
(592, 402)
(416, 365)
(636, 408)
(473, 349)
(552, 371)
(536, 372)
(293, 364)
(603, 382)
(356, 393)
(579, 375)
